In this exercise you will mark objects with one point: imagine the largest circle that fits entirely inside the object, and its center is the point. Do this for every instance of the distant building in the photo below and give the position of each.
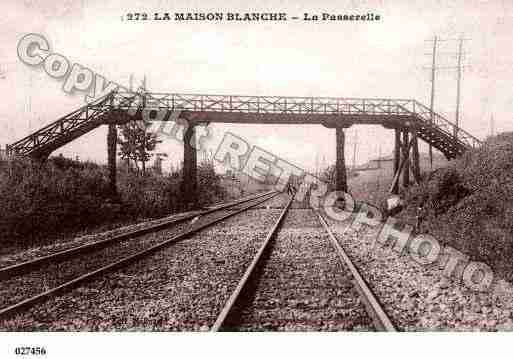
(380, 162)
(384, 162)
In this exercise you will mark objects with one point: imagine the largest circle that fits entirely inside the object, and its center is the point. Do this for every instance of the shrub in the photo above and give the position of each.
(62, 196)
(469, 204)
(40, 199)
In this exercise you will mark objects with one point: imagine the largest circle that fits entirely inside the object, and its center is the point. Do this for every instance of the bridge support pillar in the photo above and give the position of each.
(112, 141)
(415, 156)
(405, 150)
(341, 176)
(189, 179)
(397, 157)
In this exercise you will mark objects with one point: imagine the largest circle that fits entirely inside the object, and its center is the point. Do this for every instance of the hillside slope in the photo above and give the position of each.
(469, 204)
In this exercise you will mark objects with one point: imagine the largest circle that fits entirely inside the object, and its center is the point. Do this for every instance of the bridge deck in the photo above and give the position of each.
(330, 111)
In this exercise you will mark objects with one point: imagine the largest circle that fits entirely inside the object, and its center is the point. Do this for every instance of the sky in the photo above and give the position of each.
(387, 58)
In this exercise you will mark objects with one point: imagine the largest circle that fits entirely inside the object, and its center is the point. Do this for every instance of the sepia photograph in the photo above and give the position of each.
(300, 175)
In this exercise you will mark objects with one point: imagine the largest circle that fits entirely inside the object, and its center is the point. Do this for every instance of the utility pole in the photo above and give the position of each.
(379, 155)
(492, 126)
(144, 126)
(354, 148)
(29, 104)
(432, 102)
(433, 69)
(458, 87)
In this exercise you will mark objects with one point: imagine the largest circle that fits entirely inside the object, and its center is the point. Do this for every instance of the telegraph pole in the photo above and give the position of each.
(354, 148)
(432, 102)
(144, 126)
(458, 87)
(29, 104)
(433, 69)
(492, 126)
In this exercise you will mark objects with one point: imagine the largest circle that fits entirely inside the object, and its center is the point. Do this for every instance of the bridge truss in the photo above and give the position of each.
(119, 107)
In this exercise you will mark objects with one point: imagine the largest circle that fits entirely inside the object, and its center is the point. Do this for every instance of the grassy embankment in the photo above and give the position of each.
(469, 204)
(44, 202)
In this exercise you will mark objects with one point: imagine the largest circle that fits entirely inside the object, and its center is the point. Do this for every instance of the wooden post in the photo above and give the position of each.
(415, 156)
(341, 179)
(406, 171)
(189, 179)
(7, 153)
(404, 159)
(112, 140)
(397, 157)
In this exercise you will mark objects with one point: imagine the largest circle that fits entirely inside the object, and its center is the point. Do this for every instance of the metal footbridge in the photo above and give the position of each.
(121, 106)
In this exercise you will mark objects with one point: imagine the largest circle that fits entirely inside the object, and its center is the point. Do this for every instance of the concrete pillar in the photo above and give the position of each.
(406, 169)
(112, 141)
(341, 176)
(190, 180)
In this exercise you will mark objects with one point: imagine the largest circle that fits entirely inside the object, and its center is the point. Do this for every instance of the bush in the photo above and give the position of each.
(209, 184)
(469, 204)
(62, 196)
(38, 200)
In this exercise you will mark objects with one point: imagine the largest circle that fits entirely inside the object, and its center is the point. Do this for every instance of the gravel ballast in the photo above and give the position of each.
(182, 287)
(39, 251)
(51, 275)
(300, 285)
(419, 297)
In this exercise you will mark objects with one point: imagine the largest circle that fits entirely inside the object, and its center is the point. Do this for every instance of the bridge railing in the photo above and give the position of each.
(300, 105)
(244, 104)
(57, 128)
(424, 113)
(273, 104)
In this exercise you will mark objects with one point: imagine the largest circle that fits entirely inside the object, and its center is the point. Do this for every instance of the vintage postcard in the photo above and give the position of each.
(281, 166)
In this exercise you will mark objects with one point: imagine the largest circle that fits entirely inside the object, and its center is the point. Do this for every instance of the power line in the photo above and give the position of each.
(444, 40)
(434, 68)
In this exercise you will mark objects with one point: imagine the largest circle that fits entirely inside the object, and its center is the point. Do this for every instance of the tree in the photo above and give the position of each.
(136, 144)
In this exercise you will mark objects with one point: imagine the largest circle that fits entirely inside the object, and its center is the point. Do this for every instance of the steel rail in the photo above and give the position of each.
(29, 265)
(29, 302)
(381, 320)
(223, 315)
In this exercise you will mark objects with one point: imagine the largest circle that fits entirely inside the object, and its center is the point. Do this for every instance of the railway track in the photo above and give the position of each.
(311, 289)
(28, 274)
(279, 291)
(28, 265)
